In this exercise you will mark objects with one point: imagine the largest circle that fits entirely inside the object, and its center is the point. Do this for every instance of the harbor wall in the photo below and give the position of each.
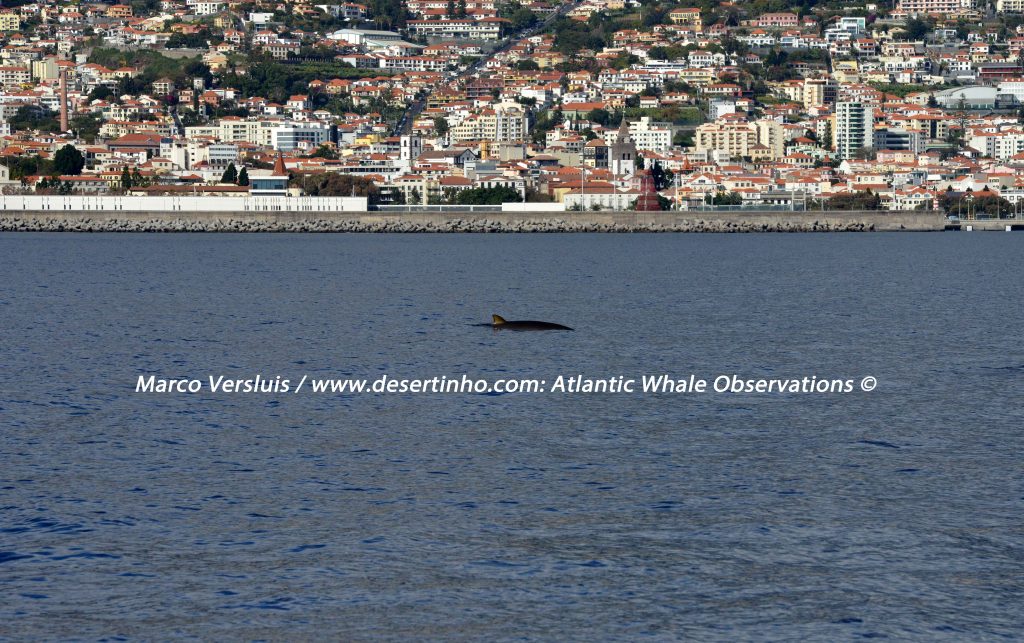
(299, 221)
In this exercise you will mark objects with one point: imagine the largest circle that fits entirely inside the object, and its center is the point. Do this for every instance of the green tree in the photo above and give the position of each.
(335, 184)
(324, 152)
(243, 177)
(441, 126)
(198, 69)
(68, 161)
(487, 196)
(126, 179)
(137, 179)
(196, 40)
(547, 121)
(984, 202)
(654, 15)
(600, 116)
(86, 126)
(101, 92)
(22, 166)
(726, 198)
(54, 185)
(230, 174)
(571, 36)
(683, 139)
(522, 19)
(916, 28)
(31, 117)
(662, 178)
(854, 201)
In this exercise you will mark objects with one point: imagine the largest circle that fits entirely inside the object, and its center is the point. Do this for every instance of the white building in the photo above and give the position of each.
(484, 29)
(261, 20)
(600, 198)
(347, 11)
(1002, 145)
(1013, 87)
(653, 137)
(295, 136)
(719, 108)
(505, 123)
(360, 36)
(854, 128)
(204, 7)
(936, 7)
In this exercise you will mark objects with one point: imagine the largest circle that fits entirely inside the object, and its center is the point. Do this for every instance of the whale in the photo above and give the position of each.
(500, 323)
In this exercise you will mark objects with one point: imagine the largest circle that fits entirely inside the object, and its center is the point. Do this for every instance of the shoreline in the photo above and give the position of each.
(486, 222)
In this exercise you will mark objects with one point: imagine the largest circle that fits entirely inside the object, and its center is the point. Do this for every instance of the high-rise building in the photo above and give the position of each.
(854, 128)
(735, 138)
(772, 135)
(819, 91)
(501, 124)
(738, 139)
(647, 135)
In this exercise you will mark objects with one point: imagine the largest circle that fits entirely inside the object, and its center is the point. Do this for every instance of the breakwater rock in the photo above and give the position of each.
(426, 224)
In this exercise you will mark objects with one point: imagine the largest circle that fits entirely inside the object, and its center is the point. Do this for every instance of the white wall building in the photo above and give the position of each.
(854, 128)
(1001, 145)
(204, 7)
(296, 136)
(653, 137)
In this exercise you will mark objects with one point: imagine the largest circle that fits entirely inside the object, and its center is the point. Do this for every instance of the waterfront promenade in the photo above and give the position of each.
(352, 214)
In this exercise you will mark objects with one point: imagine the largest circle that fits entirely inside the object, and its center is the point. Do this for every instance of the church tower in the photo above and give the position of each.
(622, 153)
(410, 148)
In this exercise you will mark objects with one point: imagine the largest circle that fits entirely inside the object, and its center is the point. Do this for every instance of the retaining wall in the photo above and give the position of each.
(295, 221)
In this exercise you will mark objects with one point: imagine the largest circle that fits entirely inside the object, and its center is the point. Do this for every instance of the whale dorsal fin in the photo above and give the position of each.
(497, 320)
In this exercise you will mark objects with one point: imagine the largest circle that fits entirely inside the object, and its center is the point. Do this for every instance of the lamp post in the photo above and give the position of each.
(583, 188)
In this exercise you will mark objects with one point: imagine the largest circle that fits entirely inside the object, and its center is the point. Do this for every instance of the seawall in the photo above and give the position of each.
(695, 221)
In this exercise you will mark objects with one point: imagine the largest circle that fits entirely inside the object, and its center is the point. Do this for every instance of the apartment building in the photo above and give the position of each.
(13, 75)
(502, 124)
(736, 138)
(10, 22)
(854, 128)
(936, 7)
(646, 134)
(484, 29)
(1001, 145)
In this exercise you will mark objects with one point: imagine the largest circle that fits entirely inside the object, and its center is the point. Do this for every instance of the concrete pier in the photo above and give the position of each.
(296, 221)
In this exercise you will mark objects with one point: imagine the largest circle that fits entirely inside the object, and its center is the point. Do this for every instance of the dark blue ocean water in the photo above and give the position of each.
(895, 513)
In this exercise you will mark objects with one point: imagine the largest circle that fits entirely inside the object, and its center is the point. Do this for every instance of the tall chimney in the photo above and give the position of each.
(62, 74)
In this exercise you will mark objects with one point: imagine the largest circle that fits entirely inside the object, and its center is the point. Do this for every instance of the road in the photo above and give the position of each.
(404, 124)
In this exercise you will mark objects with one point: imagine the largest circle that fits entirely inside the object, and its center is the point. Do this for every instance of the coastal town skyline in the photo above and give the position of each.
(579, 106)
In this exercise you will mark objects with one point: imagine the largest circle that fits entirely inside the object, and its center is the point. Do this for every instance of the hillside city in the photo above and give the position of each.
(594, 104)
